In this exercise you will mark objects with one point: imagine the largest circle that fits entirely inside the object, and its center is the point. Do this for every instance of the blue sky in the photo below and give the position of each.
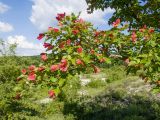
(22, 20)
(18, 16)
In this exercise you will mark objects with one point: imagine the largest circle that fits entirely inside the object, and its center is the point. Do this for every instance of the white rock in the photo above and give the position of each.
(82, 92)
(103, 79)
(85, 81)
(45, 100)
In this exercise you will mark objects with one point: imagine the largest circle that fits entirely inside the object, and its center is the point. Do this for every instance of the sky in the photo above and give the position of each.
(22, 20)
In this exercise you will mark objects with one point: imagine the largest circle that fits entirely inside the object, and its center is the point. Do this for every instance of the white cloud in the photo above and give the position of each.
(45, 11)
(3, 8)
(5, 27)
(24, 47)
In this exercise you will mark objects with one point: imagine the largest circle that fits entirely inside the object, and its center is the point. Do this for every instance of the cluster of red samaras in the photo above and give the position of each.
(67, 43)
(31, 72)
(134, 36)
(51, 93)
(62, 66)
(56, 30)
(116, 23)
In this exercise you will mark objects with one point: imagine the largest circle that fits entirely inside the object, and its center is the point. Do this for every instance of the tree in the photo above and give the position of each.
(7, 49)
(76, 47)
(137, 12)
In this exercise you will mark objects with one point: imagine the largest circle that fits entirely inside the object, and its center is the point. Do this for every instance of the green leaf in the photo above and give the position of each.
(132, 63)
(53, 79)
(108, 61)
(61, 82)
(69, 57)
(57, 91)
(73, 61)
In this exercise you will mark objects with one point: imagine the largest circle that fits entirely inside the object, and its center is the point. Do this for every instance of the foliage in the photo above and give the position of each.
(144, 55)
(115, 103)
(10, 108)
(13, 106)
(25, 105)
(115, 73)
(73, 50)
(70, 89)
(137, 12)
(10, 66)
(76, 47)
(74, 106)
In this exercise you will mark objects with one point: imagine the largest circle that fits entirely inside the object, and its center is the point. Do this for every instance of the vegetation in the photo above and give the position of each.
(109, 99)
(137, 12)
(50, 86)
(76, 47)
(115, 98)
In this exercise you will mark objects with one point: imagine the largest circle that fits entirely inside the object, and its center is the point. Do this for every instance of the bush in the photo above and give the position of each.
(115, 73)
(69, 92)
(10, 66)
(10, 108)
(114, 106)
